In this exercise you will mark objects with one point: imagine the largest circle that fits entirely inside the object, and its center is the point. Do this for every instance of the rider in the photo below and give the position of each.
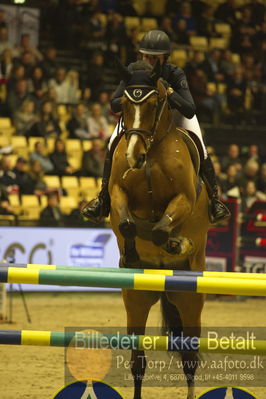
(156, 45)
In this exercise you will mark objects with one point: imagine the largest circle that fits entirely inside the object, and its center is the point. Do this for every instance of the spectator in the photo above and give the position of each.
(17, 73)
(37, 81)
(78, 125)
(59, 159)
(253, 153)
(73, 87)
(61, 86)
(27, 60)
(104, 101)
(208, 102)
(93, 159)
(182, 32)
(115, 33)
(132, 39)
(95, 75)
(262, 179)
(6, 65)
(25, 46)
(227, 12)
(236, 90)
(4, 42)
(211, 66)
(126, 8)
(186, 15)
(206, 22)
(8, 177)
(232, 157)
(194, 63)
(250, 195)
(25, 118)
(93, 32)
(167, 27)
(227, 66)
(52, 214)
(251, 172)
(243, 35)
(257, 11)
(231, 178)
(33, 182)
(40, 155)
(48, 125)
(16, 97)
(98, 124)
(49, 63)
(19, 170)
(220, 176)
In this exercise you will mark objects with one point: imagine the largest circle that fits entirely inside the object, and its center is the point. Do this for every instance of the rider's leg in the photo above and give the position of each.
(218, 210)
(99, 207)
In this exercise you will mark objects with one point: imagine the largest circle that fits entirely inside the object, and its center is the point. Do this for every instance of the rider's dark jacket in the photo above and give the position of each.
(180, 99)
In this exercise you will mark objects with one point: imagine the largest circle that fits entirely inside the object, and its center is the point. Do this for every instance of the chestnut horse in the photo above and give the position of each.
(159, 211)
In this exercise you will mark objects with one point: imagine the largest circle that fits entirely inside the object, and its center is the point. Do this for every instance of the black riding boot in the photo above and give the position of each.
(99, 207)
(218, 210)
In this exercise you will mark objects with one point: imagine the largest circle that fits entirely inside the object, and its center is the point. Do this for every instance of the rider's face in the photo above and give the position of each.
(151, 59)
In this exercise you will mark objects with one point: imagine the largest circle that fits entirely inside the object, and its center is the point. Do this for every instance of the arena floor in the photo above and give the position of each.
(34, 372)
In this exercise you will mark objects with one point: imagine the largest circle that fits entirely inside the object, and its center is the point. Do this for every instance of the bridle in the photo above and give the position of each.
(137, 95)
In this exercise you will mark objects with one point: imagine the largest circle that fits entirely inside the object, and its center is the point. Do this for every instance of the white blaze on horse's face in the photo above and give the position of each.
(134, 153)
(136, 123)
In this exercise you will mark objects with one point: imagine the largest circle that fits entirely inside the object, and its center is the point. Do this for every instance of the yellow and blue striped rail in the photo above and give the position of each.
(81, 339)
(135, 281)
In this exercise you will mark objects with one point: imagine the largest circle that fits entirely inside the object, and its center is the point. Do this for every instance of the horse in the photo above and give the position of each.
(159, 211)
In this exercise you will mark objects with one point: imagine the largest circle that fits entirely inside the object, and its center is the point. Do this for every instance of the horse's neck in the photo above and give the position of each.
(164, 124)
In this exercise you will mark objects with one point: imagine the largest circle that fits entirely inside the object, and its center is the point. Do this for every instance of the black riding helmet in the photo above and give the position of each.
(155, 42)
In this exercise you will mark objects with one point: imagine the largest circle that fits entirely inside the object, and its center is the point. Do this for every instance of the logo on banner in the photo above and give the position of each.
(227, 393)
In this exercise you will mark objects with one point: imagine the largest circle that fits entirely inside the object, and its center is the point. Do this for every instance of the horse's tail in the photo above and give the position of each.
(172, 323)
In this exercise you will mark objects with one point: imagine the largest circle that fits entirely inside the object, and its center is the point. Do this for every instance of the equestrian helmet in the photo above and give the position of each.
(155, 42)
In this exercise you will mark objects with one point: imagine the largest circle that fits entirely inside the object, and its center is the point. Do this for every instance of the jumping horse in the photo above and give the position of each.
(159, 210)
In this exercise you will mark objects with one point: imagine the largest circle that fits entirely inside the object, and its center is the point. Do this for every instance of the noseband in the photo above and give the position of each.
(137, 95)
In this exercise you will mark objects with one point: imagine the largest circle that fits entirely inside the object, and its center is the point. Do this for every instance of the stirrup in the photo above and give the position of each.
(218, 211)
(95, 210)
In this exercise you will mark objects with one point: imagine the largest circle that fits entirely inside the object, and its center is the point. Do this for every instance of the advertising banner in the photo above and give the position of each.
(61, 246)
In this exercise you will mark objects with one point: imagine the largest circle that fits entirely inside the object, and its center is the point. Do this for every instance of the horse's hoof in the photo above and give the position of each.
(128, 229)
(173, 246)
(159, 237)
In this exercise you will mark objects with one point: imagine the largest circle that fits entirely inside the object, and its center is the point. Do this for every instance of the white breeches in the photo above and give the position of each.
(180, 120)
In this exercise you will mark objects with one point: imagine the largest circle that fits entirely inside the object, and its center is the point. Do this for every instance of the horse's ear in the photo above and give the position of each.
(156, 71)
(123, 72)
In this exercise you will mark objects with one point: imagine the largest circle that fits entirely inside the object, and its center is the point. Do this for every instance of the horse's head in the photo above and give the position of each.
(143, 103)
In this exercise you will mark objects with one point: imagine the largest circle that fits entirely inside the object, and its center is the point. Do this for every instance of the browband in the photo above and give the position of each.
(138, 94)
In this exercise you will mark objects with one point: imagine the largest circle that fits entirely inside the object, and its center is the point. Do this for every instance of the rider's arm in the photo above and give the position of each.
(181, 98)
(116, 105)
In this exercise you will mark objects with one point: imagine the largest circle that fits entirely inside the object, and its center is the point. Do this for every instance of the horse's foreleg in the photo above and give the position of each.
(138, 304)
(126, 225)
(178, 209)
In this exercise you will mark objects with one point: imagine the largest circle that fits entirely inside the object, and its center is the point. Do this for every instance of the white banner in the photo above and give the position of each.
(60, 246)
